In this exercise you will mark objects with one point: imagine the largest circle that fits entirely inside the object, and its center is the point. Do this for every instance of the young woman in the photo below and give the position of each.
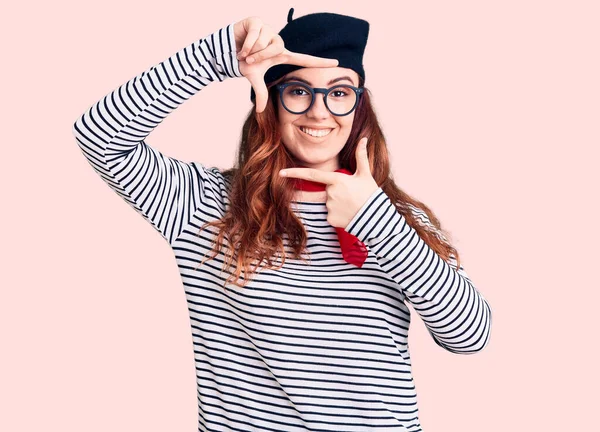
(296, 343)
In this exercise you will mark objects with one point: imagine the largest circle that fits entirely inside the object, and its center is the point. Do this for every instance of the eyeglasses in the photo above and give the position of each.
(298, 98)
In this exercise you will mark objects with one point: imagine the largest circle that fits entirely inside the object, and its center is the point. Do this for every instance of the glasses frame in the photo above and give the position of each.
(357, 90)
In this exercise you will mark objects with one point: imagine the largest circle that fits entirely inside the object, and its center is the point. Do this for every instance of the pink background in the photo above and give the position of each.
(491, 111)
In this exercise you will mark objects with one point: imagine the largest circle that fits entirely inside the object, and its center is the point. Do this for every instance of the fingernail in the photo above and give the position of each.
(282, 173)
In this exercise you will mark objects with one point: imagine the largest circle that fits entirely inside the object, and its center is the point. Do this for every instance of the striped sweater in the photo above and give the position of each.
(318, 346)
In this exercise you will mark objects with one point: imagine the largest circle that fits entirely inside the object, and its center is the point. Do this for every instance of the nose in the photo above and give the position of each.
(318, 108)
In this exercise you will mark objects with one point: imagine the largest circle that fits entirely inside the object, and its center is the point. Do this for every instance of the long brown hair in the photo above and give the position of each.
(259, 214)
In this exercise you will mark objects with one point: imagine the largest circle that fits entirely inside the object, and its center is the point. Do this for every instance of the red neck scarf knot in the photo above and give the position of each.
(353, 250)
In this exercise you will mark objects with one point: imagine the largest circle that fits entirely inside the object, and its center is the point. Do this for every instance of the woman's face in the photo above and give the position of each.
(321, 153)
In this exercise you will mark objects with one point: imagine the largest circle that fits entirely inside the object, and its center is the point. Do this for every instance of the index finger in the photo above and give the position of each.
(307, 60)
(311, 174)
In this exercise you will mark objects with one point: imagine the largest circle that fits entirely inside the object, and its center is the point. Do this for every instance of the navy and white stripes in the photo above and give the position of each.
(456, 315)
(112, 132)
(309, 347)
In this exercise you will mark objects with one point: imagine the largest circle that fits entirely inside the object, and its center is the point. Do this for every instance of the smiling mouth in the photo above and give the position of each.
(315, 136)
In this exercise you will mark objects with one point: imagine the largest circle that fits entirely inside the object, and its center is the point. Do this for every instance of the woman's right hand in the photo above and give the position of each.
(257, 40)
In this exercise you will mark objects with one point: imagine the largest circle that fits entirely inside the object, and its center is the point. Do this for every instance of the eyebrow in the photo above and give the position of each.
(295, 78)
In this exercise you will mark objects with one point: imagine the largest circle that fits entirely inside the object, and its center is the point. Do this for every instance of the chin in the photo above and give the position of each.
(315, 162)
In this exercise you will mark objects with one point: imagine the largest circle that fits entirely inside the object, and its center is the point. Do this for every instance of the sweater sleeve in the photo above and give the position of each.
(456, 315)
(112, 132)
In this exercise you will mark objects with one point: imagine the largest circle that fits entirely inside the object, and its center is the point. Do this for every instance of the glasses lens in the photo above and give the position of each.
(297, 98)
(341, 100)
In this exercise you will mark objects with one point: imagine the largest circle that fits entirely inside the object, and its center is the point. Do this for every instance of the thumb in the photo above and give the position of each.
(362, 158)
(261, 91)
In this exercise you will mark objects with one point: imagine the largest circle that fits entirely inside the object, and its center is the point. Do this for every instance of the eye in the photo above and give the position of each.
(340, 92)
(296, 91)
(293, 91)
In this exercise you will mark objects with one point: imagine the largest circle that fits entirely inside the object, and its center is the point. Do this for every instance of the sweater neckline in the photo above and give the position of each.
(310, 203)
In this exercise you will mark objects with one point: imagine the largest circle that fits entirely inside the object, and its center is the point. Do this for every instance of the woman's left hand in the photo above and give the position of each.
(346, 194)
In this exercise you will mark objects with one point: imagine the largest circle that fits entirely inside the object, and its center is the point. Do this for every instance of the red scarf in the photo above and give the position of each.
(353, 250)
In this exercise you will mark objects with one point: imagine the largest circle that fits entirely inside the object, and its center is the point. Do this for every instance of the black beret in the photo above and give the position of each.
(322, 34)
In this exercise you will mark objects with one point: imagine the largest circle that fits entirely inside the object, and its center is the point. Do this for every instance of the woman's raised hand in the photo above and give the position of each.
(259, 47)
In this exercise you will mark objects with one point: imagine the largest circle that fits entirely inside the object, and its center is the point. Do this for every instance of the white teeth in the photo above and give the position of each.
(315, 133)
